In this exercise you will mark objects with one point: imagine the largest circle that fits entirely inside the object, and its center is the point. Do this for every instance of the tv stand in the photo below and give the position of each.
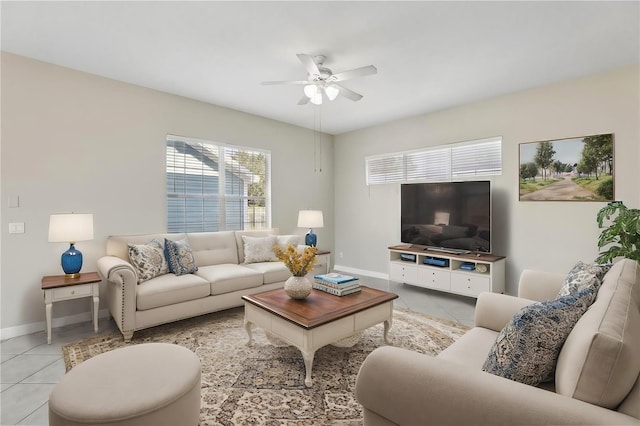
(468, 274)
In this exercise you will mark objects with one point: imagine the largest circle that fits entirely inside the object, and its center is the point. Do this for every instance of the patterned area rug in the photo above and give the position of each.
(263, 384)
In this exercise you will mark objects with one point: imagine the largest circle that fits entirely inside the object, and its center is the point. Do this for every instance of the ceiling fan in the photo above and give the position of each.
(322, 80)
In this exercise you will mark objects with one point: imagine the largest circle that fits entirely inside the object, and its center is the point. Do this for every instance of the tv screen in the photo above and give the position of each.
(447, 215)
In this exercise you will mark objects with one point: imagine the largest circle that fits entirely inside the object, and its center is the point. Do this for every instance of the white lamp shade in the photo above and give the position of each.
(310, 219)
(70, 228)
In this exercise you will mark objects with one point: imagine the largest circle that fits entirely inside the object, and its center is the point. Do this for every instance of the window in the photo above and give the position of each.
(438, 164)
(216, 187)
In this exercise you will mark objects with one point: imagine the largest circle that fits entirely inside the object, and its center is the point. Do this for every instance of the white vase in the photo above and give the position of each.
(298, 287)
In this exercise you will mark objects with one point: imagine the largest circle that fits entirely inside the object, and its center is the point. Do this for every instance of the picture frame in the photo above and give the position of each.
(569, 169)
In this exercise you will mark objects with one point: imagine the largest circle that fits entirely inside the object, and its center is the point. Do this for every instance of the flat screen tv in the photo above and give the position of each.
(450, 216)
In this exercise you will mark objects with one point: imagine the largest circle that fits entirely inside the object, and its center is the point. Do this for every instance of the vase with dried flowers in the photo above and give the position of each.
(299, 264)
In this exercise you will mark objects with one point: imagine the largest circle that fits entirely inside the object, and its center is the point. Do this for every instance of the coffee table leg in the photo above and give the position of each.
(308, 364)
(387, 327)
(247, 326)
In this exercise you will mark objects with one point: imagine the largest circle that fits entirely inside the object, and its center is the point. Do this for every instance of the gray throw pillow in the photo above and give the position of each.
(148, 260)
(527, 349)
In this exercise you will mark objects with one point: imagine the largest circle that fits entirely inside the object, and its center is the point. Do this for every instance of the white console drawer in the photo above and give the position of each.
(403, 273)
(434, 278)
(469, 284)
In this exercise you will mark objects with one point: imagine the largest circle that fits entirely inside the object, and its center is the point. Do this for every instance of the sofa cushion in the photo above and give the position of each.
(471, 349)
(583, 275)
(180, 257)
(259, 249)
(227, 278)
(213, 248)
(148, 260)
(273, 272)
(170, 289)
(526, 350)
(600, 360)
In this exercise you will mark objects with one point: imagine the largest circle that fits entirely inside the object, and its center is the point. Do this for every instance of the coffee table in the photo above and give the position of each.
(318, 320)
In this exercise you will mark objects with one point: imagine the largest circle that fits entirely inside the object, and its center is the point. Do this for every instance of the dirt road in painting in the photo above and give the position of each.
(565, 189)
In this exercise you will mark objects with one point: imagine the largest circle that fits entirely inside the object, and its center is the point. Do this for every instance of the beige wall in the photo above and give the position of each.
(549, 235)
(72, 141)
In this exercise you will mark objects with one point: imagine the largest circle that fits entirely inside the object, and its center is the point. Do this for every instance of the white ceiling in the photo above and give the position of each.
(430, 55)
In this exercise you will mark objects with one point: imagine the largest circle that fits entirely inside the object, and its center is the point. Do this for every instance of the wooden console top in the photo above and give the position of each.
(485, 257)
(319, 307)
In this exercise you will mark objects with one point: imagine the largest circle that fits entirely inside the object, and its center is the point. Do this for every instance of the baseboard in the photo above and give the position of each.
(21, 330)
(364, 272)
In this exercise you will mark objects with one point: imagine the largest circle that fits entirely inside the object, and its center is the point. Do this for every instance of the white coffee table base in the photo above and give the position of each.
(308, 341)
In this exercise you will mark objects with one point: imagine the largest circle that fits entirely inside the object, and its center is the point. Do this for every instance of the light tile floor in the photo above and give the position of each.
(30, 368)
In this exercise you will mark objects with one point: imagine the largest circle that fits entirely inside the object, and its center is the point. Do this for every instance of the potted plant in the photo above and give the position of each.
(621, 234)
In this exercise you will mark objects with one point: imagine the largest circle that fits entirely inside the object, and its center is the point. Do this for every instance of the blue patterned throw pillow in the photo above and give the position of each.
(179, 257)
(527, 349)
(582, 276)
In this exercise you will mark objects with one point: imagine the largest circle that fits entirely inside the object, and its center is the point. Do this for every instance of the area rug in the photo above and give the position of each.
(263, 384)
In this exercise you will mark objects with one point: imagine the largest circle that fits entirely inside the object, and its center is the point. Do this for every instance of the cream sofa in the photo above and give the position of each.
(220, 281)
(596, 378)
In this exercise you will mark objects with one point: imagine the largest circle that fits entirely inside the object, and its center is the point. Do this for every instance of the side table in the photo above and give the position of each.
(59, 287)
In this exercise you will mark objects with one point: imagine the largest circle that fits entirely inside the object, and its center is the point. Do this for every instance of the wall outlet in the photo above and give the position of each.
(341, 255)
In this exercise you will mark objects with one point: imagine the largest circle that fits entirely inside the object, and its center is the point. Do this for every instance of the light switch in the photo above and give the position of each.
(16, 228)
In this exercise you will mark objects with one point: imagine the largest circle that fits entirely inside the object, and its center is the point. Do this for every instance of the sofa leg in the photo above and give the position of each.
(128, 335)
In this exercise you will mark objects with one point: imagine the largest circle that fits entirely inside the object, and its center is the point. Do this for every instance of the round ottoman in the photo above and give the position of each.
(147, 384)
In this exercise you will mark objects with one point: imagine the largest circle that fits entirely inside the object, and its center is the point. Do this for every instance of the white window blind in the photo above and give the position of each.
(384, 169)
(213, 187)
(441, 163)
(477, 159)
(431, 165)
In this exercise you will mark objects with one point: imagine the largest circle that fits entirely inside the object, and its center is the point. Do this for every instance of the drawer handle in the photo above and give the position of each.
(73, 292)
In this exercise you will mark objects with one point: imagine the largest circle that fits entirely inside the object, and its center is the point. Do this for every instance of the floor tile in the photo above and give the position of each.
(40, 417)
(19, 368)
(49, 374)
(21, 344)
(23, 399)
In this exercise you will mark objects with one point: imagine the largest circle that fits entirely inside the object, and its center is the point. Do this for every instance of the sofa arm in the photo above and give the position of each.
(495, 310)
(539, 285)
(121, 292)
(408, 388)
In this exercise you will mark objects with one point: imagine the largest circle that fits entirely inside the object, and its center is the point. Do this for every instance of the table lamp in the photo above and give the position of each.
(310, 219)
(70, 228)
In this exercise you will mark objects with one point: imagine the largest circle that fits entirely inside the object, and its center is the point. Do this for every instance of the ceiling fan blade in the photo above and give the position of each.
(358, 72)
(349, 94)
(309, 63)
(303, 101)
(268, 83)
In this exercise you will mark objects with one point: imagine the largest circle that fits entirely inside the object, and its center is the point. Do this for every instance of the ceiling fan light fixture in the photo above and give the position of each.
(311, 90)
(317, 98)
(332, 92)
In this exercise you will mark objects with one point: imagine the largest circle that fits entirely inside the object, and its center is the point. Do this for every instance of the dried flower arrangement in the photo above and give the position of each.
(299, 264)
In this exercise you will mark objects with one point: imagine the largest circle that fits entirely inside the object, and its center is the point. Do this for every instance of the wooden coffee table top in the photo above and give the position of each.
(319, 307)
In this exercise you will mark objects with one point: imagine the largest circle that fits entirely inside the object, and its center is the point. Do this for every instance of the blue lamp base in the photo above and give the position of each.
(71, 262)
(310, 238)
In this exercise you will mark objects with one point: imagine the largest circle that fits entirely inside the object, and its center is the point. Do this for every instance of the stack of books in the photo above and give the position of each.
(336, 284)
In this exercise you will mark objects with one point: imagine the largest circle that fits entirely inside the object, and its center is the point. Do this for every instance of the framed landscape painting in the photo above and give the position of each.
(573, 169)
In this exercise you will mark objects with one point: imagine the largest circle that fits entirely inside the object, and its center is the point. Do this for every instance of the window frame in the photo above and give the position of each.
(220, 199)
